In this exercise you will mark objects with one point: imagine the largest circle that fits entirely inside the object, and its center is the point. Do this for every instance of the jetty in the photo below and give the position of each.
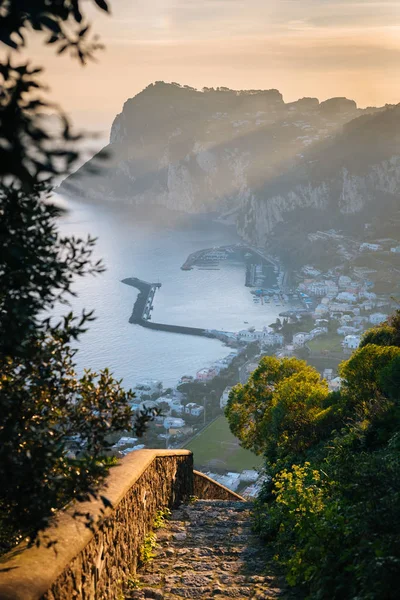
(141, 313)
(224, 252)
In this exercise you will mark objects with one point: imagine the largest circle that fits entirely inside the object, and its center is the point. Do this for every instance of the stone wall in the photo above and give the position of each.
(91, 566)
(206, 488)
(95, 564)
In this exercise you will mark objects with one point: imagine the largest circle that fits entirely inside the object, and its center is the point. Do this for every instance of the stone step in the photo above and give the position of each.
(207, 550)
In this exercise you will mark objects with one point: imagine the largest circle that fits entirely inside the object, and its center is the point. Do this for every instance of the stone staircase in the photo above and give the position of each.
(207, 550)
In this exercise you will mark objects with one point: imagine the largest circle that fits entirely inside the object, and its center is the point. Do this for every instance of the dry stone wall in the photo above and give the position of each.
(95, 565)
(112, 555)
(206, 488)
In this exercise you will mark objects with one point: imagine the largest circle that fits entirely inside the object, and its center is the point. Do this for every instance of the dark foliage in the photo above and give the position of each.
(331, 507)
(55, 426)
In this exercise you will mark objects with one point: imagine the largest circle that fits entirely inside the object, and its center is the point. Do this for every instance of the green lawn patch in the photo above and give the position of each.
(323, 362)
(326, 343)
(215, 448)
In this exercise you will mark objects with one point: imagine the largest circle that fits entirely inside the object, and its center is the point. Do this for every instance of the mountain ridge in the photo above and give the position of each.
(247, 155)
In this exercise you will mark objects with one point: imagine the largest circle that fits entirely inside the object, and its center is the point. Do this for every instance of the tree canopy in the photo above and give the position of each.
(331, 504)
(55, 425)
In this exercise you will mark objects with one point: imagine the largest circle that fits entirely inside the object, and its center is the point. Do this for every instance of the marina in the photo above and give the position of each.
(141, 313)
(234, 251)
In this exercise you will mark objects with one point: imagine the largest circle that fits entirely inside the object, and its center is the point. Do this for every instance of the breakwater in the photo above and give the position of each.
(141, 313)
(225, 252)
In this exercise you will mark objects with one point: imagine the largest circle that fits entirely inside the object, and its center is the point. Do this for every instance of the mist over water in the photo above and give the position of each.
(133, 247)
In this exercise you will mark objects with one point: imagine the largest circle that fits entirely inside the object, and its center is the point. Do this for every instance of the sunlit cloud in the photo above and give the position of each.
(303, 47)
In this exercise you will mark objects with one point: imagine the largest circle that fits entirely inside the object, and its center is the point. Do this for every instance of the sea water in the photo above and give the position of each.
(139, 247)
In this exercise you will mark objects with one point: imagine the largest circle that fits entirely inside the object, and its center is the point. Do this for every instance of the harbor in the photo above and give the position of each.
(262, 274)
(212, 256)
(141, 313)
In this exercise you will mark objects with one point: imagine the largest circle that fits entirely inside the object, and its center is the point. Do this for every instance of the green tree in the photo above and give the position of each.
(277, 411)
(332, 510)
(46, 409)
(361, 373)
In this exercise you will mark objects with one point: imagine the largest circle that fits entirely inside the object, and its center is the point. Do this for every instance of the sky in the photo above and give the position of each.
(320, 48)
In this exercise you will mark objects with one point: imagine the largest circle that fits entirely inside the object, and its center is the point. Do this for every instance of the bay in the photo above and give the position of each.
(133, 246)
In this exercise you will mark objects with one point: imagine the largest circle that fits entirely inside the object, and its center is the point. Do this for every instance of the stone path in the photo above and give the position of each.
(207, 551)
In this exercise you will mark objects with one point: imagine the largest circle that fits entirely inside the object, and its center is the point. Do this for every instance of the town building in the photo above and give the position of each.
(346, 297)
(377, 318)
(300, 338)
(223, 401)
(366, 247)
(272, 339)
(316, 332)
(327, 374)
(344, 281)
(186, 379)
(194, 409)
(351, 341)
(206, 374)
(147, 387)
(347, 330)
(320, 310)
(335, 384)
(173, 424)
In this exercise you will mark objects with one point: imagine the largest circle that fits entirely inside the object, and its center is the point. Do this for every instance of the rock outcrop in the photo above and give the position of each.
(245, 155)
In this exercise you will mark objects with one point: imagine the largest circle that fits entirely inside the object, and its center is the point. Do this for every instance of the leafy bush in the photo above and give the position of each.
(331, 508)
(55, 426)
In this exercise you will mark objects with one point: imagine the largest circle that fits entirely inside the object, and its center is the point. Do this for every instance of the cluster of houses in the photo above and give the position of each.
(384, 245)
(245, 481)
(348, 300)
(266, 336)
(208, 373)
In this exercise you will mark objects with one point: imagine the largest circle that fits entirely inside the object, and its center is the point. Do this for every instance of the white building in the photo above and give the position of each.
(186, 379)
(377, 318)
(206, 374)
(346, 297)
(223, 401)
(124, 442)
(327, 374)
(147, 387)
(346, 330)
(318, 289)
(370, 247)
(320, 310)
(396, 249)
(194, 409)
(351, 341)
(175, 404)
(310, 270)
(317, 331)
(272, 339)
(249, 475)
(368, 295)
(300, 338)
(367, 305)
(173, 423)
(335, 384)
(344, 281)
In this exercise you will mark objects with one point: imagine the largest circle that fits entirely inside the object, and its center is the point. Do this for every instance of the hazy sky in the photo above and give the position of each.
(320, 48)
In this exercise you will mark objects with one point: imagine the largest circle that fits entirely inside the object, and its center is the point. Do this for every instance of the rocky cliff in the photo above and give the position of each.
(347, 180)
(245, 155)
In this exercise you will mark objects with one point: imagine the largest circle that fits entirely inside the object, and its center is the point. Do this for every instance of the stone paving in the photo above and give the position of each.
(208, 551)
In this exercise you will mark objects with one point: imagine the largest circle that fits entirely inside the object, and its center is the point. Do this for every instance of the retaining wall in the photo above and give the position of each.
(95, 565)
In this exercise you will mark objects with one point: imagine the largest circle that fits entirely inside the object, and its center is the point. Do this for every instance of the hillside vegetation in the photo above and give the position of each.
(331, 507)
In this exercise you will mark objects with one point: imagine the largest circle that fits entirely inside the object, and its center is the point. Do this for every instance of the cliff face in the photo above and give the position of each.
(357, 195)
(245, 155)
(355, 175)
